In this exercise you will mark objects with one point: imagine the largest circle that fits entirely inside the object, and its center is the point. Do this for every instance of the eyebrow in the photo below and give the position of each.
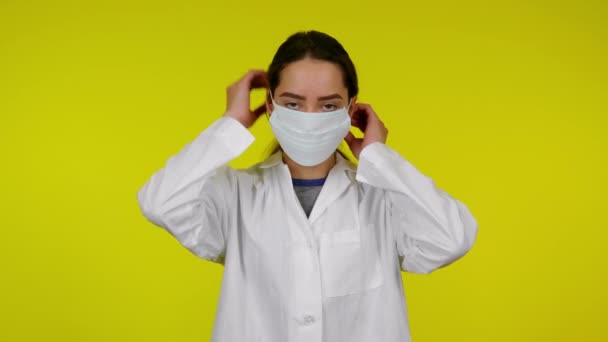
(320, 98)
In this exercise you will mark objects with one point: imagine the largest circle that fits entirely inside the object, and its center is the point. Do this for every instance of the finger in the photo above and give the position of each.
(252, 72)
(367, 110)
(255, 78)
(260, 110)
(246, 78)
(366, 114)
(349, 137)
(355, 122)
(258, 81)
(370, 113)
(359, 118)
(360, 125)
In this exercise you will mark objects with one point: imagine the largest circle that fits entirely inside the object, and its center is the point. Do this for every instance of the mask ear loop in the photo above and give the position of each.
(348, 107)
(266, 112)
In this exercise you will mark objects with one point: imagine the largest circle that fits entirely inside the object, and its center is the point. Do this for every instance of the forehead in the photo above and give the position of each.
(311, 77)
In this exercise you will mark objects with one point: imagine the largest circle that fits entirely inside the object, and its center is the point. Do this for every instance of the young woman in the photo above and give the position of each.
(312, 244)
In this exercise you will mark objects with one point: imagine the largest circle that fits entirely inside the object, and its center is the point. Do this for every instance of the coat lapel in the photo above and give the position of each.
(338, 180)
(340, 177)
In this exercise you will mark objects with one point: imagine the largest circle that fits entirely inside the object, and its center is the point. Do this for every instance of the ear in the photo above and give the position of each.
(352, 106)
(269, 106)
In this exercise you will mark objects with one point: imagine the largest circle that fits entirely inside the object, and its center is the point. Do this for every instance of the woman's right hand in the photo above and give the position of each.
(238, 97)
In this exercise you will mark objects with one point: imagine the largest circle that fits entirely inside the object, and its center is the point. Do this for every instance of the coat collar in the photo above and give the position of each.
(342, 165)
(273, 160)
(341, 175)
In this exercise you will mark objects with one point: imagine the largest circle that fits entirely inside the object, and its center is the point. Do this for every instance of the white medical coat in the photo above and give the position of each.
(332, 277)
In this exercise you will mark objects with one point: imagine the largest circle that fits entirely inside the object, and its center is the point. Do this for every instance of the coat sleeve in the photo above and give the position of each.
(431, 229)
(192, 196)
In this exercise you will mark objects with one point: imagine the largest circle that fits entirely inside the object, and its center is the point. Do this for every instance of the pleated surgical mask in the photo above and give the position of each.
(309, 138)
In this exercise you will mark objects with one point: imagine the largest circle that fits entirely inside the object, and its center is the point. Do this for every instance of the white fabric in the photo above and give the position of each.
(334, 276)
(309, 138)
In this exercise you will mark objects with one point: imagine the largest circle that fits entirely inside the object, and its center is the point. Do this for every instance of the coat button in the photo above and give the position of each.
(308, 319)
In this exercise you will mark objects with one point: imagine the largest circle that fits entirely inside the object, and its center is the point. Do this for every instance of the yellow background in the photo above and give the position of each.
(502, 103)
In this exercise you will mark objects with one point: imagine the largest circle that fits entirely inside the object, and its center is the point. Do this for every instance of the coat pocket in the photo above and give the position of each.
(348, 264)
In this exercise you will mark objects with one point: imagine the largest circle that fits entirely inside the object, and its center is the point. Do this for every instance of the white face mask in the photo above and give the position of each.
(309, 138)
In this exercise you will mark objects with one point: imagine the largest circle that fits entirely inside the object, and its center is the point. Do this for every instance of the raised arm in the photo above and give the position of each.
(431, 228)
(193, 195)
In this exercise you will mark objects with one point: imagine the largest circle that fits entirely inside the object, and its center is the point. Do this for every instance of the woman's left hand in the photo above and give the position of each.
(364, 118)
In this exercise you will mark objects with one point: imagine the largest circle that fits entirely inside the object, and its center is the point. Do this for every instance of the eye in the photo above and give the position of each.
(330, 107)
(288, 104)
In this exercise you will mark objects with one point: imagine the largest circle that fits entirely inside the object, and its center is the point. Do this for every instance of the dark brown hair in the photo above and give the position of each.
(317, 45)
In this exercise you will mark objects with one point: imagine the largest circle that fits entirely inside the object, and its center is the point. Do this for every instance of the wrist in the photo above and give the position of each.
(236, 118)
